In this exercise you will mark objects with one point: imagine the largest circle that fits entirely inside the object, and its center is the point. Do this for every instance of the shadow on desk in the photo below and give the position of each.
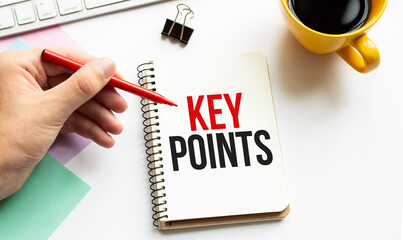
(301, 72)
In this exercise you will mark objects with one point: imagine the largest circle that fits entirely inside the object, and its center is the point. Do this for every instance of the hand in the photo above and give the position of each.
(39, 100)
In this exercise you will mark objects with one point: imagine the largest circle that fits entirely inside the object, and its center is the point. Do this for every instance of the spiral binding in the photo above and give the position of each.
(152, 144)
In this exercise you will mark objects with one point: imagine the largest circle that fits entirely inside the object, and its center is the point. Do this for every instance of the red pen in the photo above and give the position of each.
(54, 58)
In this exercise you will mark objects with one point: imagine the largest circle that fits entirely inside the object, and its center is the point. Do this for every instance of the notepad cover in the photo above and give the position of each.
(218, 152)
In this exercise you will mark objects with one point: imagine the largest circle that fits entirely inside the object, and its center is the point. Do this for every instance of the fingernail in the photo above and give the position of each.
(107, 67)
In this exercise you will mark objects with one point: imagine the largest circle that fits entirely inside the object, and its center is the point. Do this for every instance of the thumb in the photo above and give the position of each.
(82, 85)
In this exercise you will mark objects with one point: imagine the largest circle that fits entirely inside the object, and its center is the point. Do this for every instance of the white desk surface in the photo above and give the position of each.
(341, 132)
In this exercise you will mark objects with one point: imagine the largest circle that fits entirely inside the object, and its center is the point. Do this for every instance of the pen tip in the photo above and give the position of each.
(170, 102)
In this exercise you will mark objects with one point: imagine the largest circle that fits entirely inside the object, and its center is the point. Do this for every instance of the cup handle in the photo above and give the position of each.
(361, 54)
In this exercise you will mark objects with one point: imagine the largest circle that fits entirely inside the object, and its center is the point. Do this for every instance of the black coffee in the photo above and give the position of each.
(331, 16)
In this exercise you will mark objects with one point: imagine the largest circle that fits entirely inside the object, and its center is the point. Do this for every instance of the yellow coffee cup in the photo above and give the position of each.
(354, 47)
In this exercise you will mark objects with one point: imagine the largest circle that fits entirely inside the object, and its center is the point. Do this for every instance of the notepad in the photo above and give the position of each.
(216, 158)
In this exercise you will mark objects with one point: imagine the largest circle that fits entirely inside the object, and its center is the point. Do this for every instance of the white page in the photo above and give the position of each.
(222, 191)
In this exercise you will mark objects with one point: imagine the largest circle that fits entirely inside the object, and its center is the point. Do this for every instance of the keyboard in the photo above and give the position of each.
(17, 16)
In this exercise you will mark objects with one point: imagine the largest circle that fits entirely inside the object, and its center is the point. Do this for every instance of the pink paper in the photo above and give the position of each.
(67, 146)
(46, 37)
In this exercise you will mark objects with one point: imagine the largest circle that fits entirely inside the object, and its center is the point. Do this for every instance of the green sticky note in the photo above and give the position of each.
(43, 202)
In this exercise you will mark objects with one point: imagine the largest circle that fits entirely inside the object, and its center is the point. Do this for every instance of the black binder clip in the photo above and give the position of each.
(176, 30)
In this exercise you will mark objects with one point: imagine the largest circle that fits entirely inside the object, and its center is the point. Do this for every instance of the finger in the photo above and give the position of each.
(102, 116)
(111, 99)
(69, 53)
(108, 96)
(81, 86)
(30, 60)
(88, 129)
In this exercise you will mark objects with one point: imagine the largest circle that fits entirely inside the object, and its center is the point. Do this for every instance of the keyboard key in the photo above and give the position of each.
(8, 2)
(69, 6)
(6, 18)
(99, 3)
(25, 13)
(46, 9)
